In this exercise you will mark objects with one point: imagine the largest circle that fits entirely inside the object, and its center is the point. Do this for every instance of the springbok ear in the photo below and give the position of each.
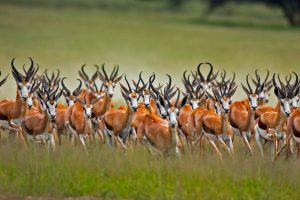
(123, 88)
(231, 93)
(152, 94)
(118, 79)
(79, 101)
(101, 76)
(184, 101)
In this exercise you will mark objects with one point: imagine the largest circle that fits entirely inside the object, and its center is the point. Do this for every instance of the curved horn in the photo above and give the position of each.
(83, 72)
(128, 84)
(210, 71)
(104, 72)
(112, 73)
(200, 74)
(30, 71)
(15, 72)
(266, 79)
(247, 79)
(77, 91)
(64, 86)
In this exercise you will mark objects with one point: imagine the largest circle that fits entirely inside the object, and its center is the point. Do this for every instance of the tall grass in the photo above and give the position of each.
(112, 174)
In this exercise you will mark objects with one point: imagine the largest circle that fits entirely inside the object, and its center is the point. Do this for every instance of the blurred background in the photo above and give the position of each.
(162, 36)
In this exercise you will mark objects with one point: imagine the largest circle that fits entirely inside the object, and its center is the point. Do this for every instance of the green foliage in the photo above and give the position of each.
(112, 174)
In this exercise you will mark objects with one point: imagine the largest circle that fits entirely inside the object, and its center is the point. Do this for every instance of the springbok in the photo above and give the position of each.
(194, 97)
(61, 111)
(13, 111)
(78, 118)
(269, 125)
(37, 125)
(160, 134)
(216, 126)
(242, 113)
(50, 84)
(117, 123)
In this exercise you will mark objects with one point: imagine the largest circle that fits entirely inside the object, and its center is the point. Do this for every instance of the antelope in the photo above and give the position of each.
(269, 125)
(216, 126)
(62, 111)
(53, 82)
(78, 118)
(242, 113)
(194, 97)
(16, 109)
(37, 125)
(117, 123)
(160, 134)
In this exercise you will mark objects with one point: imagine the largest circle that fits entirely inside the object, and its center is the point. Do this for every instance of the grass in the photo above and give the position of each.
(163, 42)
(108, 174)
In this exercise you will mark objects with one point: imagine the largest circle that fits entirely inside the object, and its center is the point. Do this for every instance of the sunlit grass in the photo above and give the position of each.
(112, 174)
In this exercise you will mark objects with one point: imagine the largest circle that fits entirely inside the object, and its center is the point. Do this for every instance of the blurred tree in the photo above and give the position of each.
(290, 8)
(175, 4)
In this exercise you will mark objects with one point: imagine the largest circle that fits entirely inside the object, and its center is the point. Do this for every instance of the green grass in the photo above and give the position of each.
(108, 174)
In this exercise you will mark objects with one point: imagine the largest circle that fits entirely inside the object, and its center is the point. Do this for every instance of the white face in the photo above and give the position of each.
(225, 105)
(88, 110)
(295, 102)
(194, 103)
(24, 89)
(110, 89)
(253, 101)
(146, 99)
(133, 102)
(51, 108)
(29, 101)
(173, 117)
(286, 106)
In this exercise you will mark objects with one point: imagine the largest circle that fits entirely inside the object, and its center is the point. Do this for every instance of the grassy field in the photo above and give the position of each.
(163, 42)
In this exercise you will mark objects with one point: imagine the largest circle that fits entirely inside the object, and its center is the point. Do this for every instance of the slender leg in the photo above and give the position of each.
(151, 149)
(133, 137)
(215, 148)
(223, 143)
(82, 141)
(275, 147)
(230, 143)
(258, 141)
(245, 140)
(52, 142)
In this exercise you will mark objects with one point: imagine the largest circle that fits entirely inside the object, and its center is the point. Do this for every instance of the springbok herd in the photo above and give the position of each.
(202, 112)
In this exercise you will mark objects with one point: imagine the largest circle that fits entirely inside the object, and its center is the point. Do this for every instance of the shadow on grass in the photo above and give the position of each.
(240, 24)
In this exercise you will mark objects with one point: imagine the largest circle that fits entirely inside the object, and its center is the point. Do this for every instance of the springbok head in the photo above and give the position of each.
(253, 95)
(173, 108)
(70, 97)
(132, 95)
(3, 80)
(194, 94)
(264, 96)
(89, 82)
(31, 94)
(147, 93)
(285, 93)
(295, 100)
(24, 81)
(51, 83)
(110, 82)
(87, 105)
(206, 84)
(48, 101)
(223, 93)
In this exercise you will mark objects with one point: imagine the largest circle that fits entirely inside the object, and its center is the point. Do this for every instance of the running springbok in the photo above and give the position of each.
(194, 97)
(39, 127)
(160, 134)
(61, 127)
(216, 126)
(242, 113)
(117, 123)
(270, 125)
(78, 118)
(13, 111)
